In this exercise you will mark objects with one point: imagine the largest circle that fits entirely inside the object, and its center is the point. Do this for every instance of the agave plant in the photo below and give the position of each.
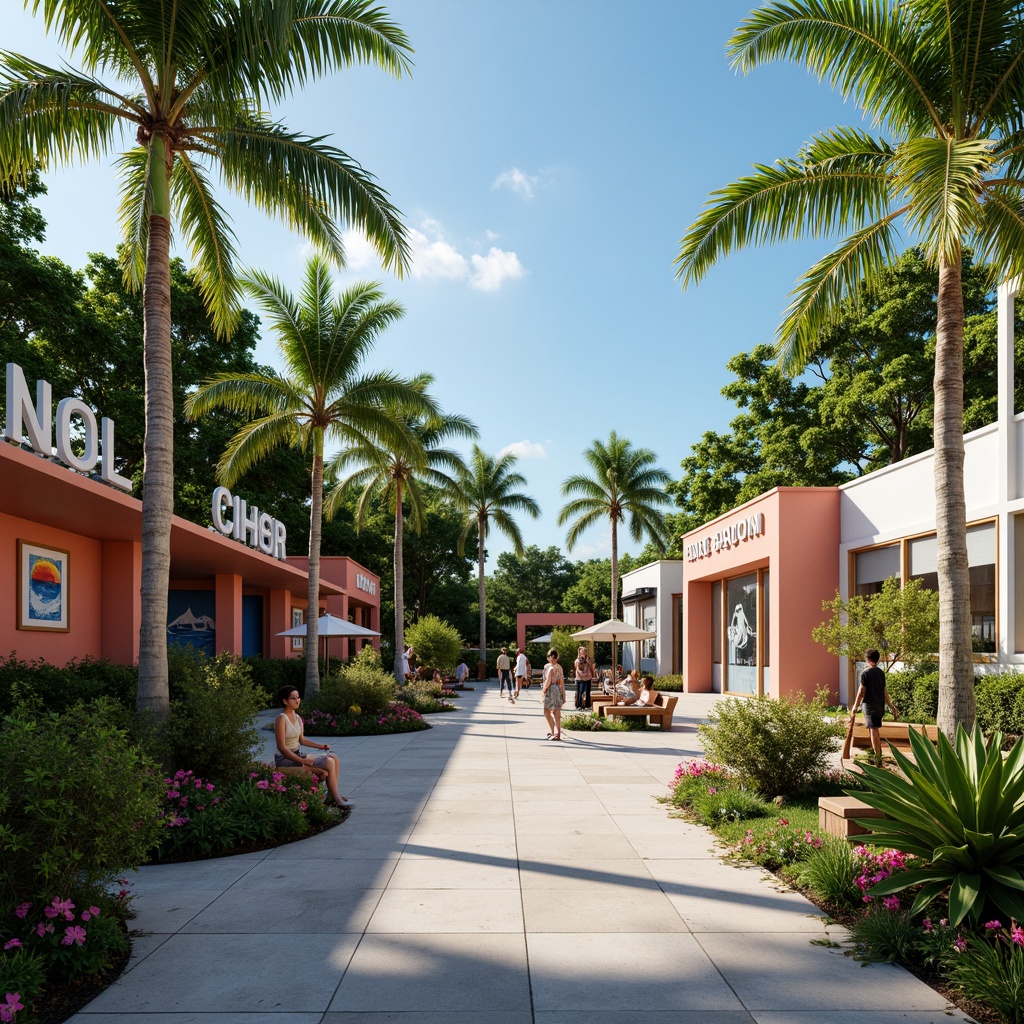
(961, 811)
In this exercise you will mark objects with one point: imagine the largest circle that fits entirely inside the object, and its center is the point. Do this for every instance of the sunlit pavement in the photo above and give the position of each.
(490, 875)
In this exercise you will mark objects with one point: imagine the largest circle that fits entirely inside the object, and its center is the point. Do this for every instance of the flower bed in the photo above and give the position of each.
(397, 717)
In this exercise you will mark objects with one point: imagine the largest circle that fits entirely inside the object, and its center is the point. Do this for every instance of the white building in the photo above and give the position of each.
(652, 598)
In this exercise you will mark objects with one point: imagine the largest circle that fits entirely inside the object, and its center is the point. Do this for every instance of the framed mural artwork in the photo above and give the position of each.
(297, 641)
(44, 595)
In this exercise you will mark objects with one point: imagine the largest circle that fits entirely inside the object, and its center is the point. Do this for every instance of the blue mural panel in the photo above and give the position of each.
(190, 619)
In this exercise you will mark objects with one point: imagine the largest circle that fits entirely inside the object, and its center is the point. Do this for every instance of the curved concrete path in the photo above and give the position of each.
(488, 876)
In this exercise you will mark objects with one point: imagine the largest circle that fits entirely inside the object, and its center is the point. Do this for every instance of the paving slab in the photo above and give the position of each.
(487, 876)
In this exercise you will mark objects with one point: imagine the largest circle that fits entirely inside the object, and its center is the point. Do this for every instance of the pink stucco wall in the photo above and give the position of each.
(799, 546)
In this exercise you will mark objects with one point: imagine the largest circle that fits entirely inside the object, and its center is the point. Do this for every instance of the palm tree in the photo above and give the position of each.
(189, 83)
(486, 493)
(623, 482)
(323, 396)
(397, 475)
(946, 80)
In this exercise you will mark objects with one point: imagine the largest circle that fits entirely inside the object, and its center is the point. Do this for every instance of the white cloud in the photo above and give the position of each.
(437, 259)
(359, 251)
(518, 181)
(490, 272)
(525, 450)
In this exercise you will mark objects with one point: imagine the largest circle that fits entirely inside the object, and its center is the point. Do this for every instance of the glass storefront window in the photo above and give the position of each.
(741, 606)
(766, 625)
(872, 568)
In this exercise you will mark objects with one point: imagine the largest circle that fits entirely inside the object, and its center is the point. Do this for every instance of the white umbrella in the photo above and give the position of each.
(616, 631)
(544, 639)
(328, 626)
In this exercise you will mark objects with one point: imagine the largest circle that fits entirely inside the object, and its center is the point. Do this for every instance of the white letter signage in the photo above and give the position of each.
(248, 525)
(729, 536)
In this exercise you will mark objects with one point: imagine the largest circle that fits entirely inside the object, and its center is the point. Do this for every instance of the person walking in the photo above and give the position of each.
(583, 669)
(522, 671)
(874, 697)
(505, 675)
(553, 694)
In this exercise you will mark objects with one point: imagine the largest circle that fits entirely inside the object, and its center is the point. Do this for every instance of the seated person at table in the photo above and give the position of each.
(644, 700)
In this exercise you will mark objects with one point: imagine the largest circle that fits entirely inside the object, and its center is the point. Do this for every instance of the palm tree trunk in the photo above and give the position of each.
(399, 587)
(481, 589)
(956, 664)
(615, 569)
(158, 473)
(316, 517)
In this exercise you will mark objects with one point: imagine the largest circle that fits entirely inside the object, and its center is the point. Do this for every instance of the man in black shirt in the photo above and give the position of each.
(874, 697)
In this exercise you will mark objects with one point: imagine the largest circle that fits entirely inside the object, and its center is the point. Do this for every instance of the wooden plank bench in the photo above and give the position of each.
(661, 710)
(836, 814)
(896, 733)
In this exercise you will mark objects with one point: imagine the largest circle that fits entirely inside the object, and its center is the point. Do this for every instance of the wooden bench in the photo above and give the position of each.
(662, 709)
(836, 814)
(896, 733)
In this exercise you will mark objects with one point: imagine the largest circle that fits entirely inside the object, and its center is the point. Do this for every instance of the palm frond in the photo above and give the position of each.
(254, 442)
(133, 214)
(252, 394)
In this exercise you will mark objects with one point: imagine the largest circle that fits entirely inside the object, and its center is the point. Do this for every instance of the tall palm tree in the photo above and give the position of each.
(623, 482)
(398, 474)
(486, 493)
(945, 80)
(324, 395)
(188, 86)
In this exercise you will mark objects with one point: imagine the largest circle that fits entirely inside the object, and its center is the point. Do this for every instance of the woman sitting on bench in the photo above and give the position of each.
(641, 699)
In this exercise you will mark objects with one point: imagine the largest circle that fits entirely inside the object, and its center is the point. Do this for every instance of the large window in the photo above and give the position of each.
(872, 568)
(741, 607)
(923, 563)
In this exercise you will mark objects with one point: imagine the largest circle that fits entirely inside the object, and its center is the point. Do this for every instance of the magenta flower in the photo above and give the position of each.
(993, 926)
(74, 935)
(13, 944)
(1017, 935)
(42, 929)
(927, 922)
(960, 944)
(891, 903)
(23, 910)
(263, 784)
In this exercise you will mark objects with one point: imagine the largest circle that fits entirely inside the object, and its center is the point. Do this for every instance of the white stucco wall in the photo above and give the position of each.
(666, 575)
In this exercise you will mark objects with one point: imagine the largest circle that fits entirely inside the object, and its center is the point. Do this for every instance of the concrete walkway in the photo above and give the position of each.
(488, 876)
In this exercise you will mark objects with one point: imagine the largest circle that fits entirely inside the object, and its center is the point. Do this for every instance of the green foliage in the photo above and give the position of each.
(437, 644)
(1000, 702)
(587, 721)
(270, 674)
(23, 971)
(362, 683)
(777, 844)
(730, 802)
(214, 704)
(901, 622)
(991, 971)
(563, 642)
(670, 682)
(915, 693)
(961, 810)
(424, 697)
(830, 870)
(536, 581)
(774, 744)
(885, 936)
(396, 717)
(61, 688)
(52, 839)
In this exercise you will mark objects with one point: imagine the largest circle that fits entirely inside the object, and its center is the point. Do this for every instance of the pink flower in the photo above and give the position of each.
(209, 787)
(927, 922)
(13, 944)
(1017, 935)
(263, 784)
(42, 929)
(891, 903)
(960, 944)
(993, 926)
(23, 910)
(75, 935)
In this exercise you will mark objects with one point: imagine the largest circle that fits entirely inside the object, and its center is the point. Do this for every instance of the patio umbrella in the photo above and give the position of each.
(616, 631)
(545, 638)
(328, 626)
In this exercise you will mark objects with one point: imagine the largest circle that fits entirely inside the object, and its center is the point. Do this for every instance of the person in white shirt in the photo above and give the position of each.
(522, 671)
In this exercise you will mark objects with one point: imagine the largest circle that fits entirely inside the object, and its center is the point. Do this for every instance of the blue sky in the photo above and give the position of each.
(547, 155)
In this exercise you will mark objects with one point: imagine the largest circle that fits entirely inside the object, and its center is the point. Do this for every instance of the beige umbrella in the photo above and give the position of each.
(328, 626)
(616, 631)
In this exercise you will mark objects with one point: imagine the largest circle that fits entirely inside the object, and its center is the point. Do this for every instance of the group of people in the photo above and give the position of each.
(523, 672)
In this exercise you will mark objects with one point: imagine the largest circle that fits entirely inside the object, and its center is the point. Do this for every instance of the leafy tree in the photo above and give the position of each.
(437, 643)
(945, 80)
(901, 622)
(487, 493)
(396, 472)
(189, 84)
(536, 581)
(591, 590)
(623, 483)
(324, 396)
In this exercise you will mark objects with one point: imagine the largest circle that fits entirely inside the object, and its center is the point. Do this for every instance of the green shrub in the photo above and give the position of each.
(214, 704)
(362, 683)
(715, 804)
(830, 871)
(669, 682)
(436, 643)
(961, 810)
(992, 972)
(915, 693)
(776, 744)
(270, 674)
(1000, 702)
(885, 936)
(22, 971)
(62, 688)
(424, 696)
(78, 802)
(776, 845)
